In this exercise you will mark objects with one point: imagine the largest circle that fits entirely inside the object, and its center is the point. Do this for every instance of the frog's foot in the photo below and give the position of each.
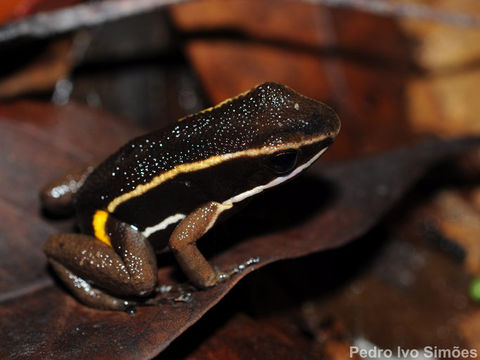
(222, 276)
(105, 276)
(180, 295)
(88, 294)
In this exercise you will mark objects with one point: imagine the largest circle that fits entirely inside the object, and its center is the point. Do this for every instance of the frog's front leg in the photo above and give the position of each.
(183, 244)
(104, 276)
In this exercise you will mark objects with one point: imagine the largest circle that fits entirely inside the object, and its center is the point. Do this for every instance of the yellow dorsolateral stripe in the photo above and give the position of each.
(226, 101)
(99, 220)
(200, 165)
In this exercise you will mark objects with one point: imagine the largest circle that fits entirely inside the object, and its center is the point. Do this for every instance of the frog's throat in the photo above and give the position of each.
(274, 182)
(204, 164)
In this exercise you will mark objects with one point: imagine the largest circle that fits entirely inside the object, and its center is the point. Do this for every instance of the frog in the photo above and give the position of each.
(164, 190)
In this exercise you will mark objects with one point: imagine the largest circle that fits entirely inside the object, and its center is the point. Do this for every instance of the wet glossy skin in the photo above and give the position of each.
(168, 188)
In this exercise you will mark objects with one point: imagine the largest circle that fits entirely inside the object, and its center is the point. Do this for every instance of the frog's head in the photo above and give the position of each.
(294, 131)
(282, 132)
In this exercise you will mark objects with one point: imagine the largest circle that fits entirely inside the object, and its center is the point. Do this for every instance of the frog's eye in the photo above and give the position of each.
(283, 161)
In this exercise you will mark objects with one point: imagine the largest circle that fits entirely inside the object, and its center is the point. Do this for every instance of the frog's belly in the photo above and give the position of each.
(156, 213)
(159, 239)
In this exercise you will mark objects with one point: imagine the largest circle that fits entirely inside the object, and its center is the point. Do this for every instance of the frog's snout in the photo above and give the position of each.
(324, 120)
(335, 125)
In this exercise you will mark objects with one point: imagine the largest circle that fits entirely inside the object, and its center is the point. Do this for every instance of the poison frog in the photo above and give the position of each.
(165, 190)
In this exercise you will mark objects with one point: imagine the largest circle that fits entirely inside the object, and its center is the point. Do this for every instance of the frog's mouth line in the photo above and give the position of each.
(274, 182)
(173, 219)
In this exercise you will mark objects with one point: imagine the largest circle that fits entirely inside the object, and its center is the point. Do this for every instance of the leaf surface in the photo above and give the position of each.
(330, 206)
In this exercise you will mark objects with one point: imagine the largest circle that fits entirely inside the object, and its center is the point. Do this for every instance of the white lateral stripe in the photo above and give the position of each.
(163, 225)
(221, 208)
(272, 183)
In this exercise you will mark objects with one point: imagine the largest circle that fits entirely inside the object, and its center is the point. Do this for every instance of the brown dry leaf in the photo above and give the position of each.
(443, 99)
(50, 64)
(323, 53)
(456, 219)
(41, 141)
(402, 281)
(469, 326)
(434, 38)
(16, 9)
(446, 105)
(242, 338)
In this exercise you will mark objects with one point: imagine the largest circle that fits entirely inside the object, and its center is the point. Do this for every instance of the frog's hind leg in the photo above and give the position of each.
(56, 197)
(101, 275)
(86, 292)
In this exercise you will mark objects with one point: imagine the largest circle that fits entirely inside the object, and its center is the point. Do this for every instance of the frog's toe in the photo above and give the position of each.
(237, 269)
